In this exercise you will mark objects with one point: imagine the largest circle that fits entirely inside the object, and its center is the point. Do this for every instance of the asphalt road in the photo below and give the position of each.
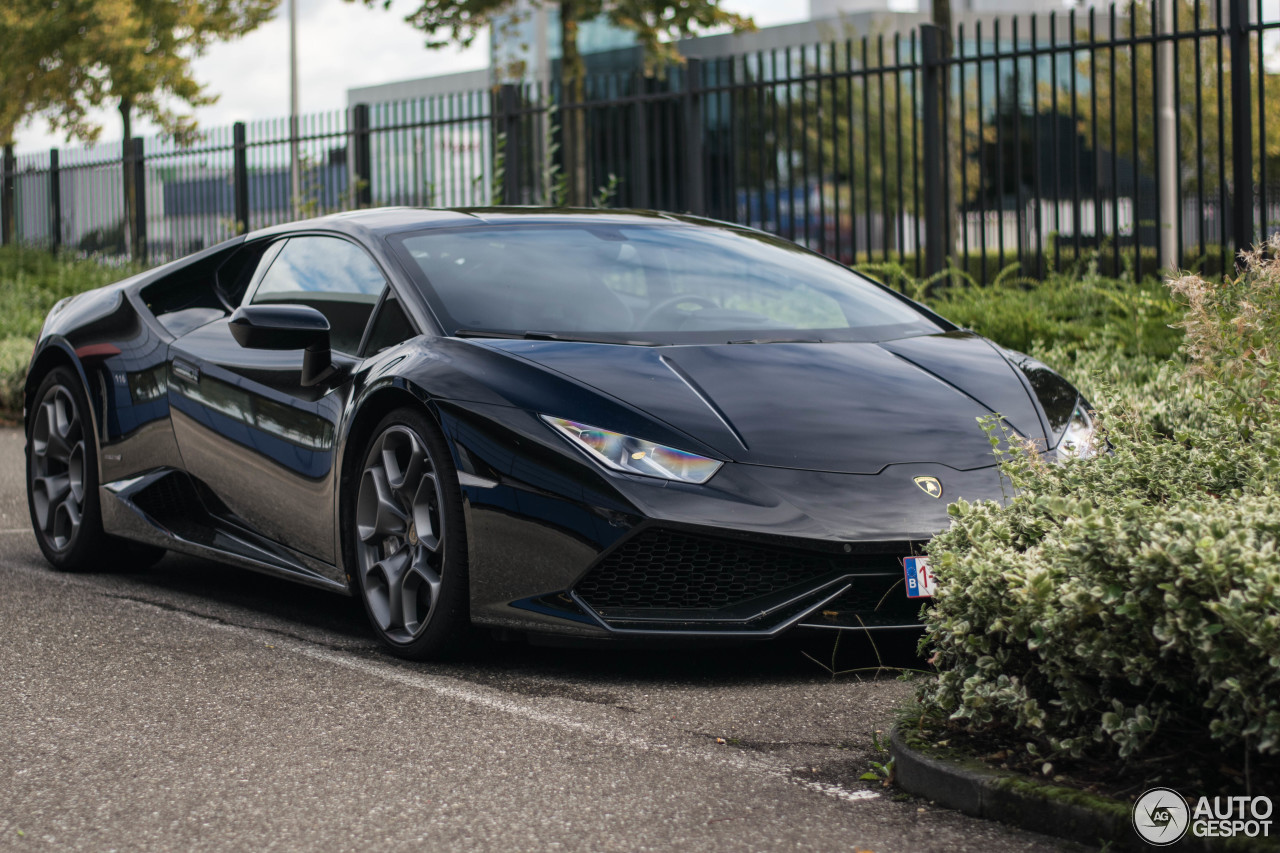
(199, 707)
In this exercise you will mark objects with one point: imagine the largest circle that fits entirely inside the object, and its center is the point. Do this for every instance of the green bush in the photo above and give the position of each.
(1089, 623)
(15, 353)
(1122, 315)
(984, 267)
(1132, 599)
(31, 282)
(1155, 388)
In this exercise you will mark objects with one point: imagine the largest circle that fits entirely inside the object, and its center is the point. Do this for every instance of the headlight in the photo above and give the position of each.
(619, 452)
(1078, 440)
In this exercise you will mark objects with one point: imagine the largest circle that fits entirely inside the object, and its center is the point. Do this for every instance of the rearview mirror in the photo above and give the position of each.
(279, 327)
(285, 327)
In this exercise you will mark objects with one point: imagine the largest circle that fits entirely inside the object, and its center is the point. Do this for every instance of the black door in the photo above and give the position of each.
(247, 426)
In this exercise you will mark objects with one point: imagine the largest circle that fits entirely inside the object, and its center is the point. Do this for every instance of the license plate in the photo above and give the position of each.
(919, 579)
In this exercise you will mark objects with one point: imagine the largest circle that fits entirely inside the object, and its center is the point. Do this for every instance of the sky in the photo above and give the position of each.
(340, 45)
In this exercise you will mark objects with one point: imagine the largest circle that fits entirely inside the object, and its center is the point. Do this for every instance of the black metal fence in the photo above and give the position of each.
(1120, 136)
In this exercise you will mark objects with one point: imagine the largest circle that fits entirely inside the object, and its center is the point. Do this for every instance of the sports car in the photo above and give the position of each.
(590, 425)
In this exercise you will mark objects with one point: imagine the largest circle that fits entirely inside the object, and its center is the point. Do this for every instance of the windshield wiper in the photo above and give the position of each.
(547, 336)
(486, 333)
(778, 341)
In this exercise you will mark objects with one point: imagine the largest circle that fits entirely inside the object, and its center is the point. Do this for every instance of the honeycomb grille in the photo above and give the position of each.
(167, 499)
(668, 570)
(172, 501)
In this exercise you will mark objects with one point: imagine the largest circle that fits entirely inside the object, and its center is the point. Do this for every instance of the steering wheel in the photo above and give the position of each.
(672, 301)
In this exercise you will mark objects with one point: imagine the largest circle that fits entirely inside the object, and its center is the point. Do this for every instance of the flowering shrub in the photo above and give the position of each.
(1135, 596)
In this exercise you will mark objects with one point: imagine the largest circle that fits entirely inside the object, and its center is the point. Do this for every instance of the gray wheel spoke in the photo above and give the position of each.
(57, 427)
(67, 416)
(63, 424)
(426, 512)
(75, 471)
(402, 457)
(421, 591)
(40, 432)
(51, 494)
(45, 496)
(378, 514)
(54, 488)
(396, 568)
(384, 589)
(66, 521)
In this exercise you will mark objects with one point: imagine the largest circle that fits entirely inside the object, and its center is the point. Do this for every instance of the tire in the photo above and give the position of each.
(62, 483)
(406, 540)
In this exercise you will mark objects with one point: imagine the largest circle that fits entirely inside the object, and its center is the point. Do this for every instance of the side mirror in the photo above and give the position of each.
(286, 327)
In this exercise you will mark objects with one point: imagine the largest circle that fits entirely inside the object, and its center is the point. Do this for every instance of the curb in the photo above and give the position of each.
(974, 788)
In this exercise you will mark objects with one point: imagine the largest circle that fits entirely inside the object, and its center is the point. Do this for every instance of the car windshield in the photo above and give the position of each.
(646, 283)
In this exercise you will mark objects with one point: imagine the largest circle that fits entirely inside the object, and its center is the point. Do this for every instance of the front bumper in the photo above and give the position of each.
(558, 546)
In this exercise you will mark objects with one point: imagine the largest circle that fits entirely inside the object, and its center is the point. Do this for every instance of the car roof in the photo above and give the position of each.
(390, 220)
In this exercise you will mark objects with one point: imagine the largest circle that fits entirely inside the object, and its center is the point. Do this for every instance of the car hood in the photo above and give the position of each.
(841, 407)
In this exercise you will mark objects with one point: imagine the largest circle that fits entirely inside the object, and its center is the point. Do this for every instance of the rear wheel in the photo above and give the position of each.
(408, 544)
(62, 483)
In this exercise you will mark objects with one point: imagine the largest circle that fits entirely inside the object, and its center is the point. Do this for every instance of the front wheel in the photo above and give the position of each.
(408, 540)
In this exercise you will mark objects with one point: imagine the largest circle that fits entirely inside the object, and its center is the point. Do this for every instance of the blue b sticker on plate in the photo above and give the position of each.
(919, 578)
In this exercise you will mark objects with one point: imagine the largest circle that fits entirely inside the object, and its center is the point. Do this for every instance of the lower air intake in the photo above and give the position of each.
(671, 570)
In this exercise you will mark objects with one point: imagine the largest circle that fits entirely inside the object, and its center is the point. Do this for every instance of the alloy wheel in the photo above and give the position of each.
(58, 467)
(400, 552)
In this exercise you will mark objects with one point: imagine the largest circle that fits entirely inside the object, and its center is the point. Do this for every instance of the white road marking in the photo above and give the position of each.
(495, 700)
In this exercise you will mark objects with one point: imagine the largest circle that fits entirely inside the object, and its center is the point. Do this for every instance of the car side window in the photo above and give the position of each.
(335, 277)
(390, 327)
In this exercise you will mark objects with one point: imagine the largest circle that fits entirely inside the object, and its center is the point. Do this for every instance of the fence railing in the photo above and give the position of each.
(1116, 136)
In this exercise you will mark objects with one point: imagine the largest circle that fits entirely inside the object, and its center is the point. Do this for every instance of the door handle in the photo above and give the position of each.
(186, 371)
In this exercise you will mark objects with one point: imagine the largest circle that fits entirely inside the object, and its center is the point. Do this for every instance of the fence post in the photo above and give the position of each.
(1241, 129)
(508, 137)
(934, 163)
(362, 171)
(134, 150)
(240, 177)
(55, 203)
(1167, 140)
(640, 150)
(693, 177)
(8, 176)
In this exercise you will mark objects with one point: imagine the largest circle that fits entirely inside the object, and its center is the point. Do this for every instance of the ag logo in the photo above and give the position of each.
(1161, 816)
(930, 486)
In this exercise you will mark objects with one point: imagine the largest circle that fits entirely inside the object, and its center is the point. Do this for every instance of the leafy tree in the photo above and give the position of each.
(43, 66)
(62, 59)
(460, 21)
(42, 69)
(145, 50)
